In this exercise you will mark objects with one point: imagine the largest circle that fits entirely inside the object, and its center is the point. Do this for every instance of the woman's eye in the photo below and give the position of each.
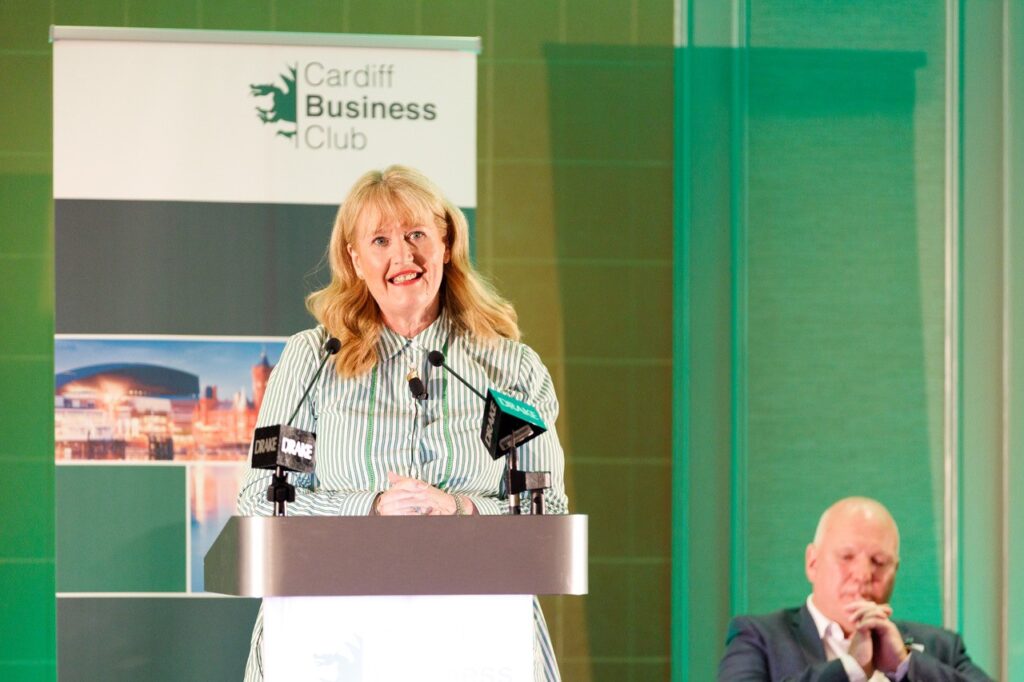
(379, 241)
(417, 234)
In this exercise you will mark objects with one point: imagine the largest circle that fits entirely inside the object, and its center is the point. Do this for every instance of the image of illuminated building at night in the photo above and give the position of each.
(161, 410)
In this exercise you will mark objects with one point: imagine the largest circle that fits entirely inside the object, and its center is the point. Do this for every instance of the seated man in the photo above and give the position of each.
(843, 631)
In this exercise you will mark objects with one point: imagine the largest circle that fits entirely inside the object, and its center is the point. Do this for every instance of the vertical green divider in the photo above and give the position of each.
(703, 353)
(680, 612)
(979, 587)
(738, 314)
(1013, 454)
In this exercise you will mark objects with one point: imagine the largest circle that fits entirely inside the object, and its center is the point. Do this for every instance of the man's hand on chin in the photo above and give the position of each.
(863, 651)
(884, 640)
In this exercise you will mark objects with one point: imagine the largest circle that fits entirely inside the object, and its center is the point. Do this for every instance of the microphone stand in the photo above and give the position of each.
(518, 482)
(280, 490)
(514, 483)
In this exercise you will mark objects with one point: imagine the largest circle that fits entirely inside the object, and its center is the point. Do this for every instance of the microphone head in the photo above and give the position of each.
(332, 346)
(419, 391)
(436, 358)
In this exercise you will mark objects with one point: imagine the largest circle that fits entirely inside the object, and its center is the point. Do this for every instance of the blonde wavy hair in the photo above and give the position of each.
(346, 308)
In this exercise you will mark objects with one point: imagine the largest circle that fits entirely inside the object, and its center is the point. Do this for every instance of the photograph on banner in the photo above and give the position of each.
(159, 399)
(212, 490)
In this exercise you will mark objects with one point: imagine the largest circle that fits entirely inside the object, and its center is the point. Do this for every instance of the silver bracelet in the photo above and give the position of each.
(459, 509)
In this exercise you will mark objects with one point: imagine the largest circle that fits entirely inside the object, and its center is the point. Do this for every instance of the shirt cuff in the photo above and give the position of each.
(852, 668)
(901, 671)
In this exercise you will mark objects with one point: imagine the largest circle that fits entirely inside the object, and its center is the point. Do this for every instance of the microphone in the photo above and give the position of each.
(284, 448)
(416, 387)
(507, 423)
(436, 358)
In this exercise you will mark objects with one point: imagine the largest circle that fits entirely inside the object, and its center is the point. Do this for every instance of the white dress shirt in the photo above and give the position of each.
(837, 645)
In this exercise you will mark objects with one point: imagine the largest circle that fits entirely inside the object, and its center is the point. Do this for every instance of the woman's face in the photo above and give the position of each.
(402, 265)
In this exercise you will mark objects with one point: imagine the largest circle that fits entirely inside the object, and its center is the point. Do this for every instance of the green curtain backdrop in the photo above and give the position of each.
(843, 306)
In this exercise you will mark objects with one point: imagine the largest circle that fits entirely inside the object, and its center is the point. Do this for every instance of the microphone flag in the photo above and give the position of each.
(283, 446)
(508, 422)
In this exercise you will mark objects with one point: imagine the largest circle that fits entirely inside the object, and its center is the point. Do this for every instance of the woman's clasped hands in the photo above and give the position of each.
(407, 496)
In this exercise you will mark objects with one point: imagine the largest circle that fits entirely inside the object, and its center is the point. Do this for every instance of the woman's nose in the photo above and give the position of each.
(402, 251)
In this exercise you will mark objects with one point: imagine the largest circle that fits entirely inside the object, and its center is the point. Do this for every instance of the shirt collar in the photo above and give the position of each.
(825, 626)
(433, 337)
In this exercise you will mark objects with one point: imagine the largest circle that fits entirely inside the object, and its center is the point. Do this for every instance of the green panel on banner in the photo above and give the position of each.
(26, 393)
(121, 528)
(27, 614)
(153, 639)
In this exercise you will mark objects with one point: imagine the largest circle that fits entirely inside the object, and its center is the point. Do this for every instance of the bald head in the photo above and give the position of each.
(864, 508)
(854, 557)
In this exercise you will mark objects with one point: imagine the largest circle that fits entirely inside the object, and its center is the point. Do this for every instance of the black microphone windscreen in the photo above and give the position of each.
(436, 358)
(332, 346)
(418, 390)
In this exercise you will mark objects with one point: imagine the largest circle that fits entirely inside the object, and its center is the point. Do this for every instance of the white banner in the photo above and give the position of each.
(223, 122)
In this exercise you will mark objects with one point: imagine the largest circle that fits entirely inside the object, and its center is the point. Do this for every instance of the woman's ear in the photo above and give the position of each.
(354, 257)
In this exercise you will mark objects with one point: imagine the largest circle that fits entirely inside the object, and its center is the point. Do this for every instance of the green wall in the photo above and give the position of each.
(734, 256)
(27, 612)
(574, 145)
(845, 306)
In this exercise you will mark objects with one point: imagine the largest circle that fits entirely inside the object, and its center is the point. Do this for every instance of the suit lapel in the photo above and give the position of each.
(806, 634)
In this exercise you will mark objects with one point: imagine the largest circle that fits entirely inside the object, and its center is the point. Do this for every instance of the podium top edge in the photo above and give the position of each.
(267, 556)
(472, 44)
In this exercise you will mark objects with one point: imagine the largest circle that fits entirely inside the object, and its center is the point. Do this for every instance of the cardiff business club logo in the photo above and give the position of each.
(281, 108)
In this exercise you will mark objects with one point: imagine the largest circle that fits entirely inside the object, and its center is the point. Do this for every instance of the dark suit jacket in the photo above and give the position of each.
(785, 646)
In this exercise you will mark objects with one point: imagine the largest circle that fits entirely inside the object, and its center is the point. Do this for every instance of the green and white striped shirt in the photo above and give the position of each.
(371, 424)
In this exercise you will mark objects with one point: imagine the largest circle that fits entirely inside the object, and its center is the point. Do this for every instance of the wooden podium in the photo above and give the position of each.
(399, 598)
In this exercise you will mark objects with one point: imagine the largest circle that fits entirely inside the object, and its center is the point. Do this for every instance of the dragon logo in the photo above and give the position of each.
(282, 109)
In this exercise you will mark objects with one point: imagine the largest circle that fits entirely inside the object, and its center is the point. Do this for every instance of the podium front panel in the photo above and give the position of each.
(384, 639)
(388, 555)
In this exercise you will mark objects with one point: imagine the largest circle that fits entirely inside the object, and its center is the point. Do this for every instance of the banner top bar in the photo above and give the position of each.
(178, 35)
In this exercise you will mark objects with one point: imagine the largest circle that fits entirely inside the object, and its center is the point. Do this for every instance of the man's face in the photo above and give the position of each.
(855, 559)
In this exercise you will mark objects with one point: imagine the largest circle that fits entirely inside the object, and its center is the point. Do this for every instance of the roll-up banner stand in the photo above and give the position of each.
(196, 177)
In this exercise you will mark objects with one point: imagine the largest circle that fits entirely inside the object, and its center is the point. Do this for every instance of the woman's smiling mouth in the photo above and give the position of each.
(405, 277)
